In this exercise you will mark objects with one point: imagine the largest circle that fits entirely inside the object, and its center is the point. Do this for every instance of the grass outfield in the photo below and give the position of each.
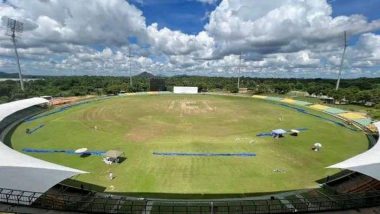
(141, 125)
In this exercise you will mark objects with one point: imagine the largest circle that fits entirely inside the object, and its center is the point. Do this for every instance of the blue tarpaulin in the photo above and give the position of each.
(204, 154)
(66, 151)
(269, 134)
(278, 131)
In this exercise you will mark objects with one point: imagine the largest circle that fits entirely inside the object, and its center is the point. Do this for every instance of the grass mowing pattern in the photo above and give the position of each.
(140, 125)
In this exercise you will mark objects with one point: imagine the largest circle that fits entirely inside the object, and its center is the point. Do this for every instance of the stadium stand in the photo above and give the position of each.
(21, 172)
(364, 121)
(273, 98)
(354, 183)
(356, 118)
(287, 100)
(301, 103)
(312, 201)
(22, 114)
(352, 115)
(319, 107)
(352, 190)
(367, 163)
(259, 96)
(334, 110)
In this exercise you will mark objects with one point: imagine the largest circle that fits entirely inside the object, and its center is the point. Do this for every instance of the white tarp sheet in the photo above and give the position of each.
(367, 163)
(22, 172)
(185, 90)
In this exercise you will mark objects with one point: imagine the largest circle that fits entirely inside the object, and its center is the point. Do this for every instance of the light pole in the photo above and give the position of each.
(14, 27)
(130, 67)
(238, 83)
(341, 61)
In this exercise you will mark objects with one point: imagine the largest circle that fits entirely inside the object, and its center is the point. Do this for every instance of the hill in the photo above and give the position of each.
(8, 75)
(145, 74)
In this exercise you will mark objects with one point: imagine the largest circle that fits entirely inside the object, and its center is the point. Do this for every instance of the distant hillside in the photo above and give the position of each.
(4, 75)
(8, 75)
(145, 74)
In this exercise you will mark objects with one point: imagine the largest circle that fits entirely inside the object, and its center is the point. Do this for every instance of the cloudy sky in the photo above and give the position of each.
(276, 38)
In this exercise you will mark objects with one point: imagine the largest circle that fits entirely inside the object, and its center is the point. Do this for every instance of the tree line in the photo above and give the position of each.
(357, 91)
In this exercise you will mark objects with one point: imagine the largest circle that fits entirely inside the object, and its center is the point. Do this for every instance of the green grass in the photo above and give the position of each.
(140, 125)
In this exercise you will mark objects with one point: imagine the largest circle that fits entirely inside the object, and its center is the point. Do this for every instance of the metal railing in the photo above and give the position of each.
(91, 203)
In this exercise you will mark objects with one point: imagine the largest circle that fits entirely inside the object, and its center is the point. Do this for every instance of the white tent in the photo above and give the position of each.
(367, 163)
(22, 172)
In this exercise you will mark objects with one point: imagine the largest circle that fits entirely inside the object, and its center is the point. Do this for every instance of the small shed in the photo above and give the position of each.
(114, 156)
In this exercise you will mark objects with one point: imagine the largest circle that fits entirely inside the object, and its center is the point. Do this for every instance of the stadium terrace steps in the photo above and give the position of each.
(274, 98)
(364, 121)
(334, 110)
(319, 107)
(357, 183)
(287, 100)
(356, 117)
(301, 103)
(21, 172)
(352, 115)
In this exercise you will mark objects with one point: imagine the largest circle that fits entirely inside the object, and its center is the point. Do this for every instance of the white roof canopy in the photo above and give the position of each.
(22, 172)
(7, 109)
(367, 163)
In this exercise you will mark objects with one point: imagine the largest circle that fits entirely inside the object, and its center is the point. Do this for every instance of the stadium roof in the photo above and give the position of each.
(367, 163)
(22, 172)
(7, 109)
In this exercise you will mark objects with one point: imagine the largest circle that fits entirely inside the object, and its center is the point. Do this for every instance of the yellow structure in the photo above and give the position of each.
(259, 96)
(353, 115)
(319, 107)
(153, 92)
(287, 100)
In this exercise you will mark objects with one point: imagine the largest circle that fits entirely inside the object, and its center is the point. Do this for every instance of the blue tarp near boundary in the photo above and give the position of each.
(269, 134)
(66, 151)
(204, 154)
(265, 134)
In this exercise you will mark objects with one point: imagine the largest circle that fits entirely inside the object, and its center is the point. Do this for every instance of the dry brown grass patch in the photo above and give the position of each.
(146, 133)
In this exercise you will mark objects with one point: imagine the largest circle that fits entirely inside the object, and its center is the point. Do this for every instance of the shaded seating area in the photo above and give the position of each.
(354, 183)
(24, 176)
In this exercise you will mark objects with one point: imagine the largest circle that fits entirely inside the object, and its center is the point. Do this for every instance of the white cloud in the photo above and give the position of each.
(177, 43)
(78, 22)
(276, 37)
(366, 52)
(279, 25)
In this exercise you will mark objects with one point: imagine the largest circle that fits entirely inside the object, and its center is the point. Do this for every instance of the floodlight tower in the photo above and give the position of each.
(130, 67)
(341, 61)
(14, 27)
(238, 83)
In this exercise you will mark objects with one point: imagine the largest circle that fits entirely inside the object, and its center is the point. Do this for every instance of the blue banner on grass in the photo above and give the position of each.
(204, 154)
